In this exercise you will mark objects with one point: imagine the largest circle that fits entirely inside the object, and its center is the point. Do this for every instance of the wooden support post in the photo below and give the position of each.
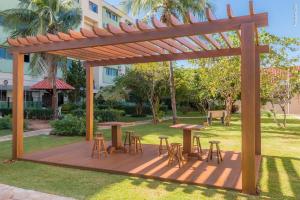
(257, 105)
(89, 102)
(18, 111)
(248, 105)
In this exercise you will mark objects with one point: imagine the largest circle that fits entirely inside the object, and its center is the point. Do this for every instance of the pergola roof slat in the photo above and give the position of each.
(211, 17)
(230, 15)
(144, 27)
(175, 22)
(139, 46)
(158, 24)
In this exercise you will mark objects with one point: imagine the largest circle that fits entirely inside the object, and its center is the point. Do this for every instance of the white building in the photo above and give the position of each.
(94, 13)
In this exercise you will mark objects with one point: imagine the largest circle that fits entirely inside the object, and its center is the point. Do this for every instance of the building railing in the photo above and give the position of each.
(27, 104)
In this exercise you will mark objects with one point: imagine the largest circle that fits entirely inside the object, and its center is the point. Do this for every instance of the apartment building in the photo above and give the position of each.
(100, 13)
(94, 13)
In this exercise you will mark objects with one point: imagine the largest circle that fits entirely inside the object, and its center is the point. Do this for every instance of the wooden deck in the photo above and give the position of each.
(148, 165)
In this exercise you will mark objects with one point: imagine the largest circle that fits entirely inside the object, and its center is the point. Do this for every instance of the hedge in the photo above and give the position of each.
(31, 113)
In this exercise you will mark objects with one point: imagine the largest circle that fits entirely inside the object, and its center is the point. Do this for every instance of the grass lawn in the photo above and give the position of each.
(280, 171)
(5, 132)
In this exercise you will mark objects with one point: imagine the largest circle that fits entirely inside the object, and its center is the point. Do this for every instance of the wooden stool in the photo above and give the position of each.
(205, 124)
(175, 154)
(136, 144)
(210, 153)
(197, 145)
(99, 146)
(161, 147)
(127, 140)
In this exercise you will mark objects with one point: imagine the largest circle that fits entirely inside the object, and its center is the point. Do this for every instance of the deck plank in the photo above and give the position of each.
(227, 174)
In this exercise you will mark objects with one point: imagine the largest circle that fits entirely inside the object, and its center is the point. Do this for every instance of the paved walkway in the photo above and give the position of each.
(13, 193)
(47, 131)
(27, 134)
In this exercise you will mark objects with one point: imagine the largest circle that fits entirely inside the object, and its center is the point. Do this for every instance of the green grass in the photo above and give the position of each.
(280, 170)
(5, 132)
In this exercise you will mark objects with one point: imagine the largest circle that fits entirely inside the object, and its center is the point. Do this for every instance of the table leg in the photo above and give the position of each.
(116, 136)
(187, 141)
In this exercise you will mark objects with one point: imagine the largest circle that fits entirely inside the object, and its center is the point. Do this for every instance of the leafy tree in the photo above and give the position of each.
(136, 89)
(279, 86)
(147, 82)
(164, 8)
(75, 75)
(279, 83)
(34, 17)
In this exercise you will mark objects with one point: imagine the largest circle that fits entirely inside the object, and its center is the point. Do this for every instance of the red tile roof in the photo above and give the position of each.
(46, 85)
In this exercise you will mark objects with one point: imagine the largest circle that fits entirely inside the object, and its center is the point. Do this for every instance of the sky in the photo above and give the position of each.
(284, 15)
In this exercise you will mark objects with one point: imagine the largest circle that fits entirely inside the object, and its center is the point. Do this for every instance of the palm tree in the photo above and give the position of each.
(33, 17)
(163, 8)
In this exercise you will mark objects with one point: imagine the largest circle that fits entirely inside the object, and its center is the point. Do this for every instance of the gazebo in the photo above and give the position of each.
(142, 43)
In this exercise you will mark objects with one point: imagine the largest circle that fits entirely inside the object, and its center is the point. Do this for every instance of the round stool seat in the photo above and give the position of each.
(176, 144)
(163, 137)
(214, 142)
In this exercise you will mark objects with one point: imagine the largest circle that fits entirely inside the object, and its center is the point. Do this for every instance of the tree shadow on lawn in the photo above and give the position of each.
(276, 182)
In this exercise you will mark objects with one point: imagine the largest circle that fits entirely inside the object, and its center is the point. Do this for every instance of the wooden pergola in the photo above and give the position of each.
(142, 43)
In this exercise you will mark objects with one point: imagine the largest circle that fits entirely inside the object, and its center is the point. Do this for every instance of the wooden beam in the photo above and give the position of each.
(257, 105)
(198, 28)
(177, 56)
(89, 102)
(248, 105)
(18, 111)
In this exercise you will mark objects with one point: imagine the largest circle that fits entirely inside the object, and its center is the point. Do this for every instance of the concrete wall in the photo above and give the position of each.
(292, 108)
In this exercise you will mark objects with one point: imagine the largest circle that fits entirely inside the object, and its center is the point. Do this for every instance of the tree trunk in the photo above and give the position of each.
(284, 115)
(154, 101)
(229, 104)
(274, 114)
(173, 93)
(52, 79)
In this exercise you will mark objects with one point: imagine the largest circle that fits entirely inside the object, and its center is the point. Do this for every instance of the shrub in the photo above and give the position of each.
(5, 122)
(184, 109)
(31, 113)
(38, 113)
(5, 111)
(79, 112)
(68, 107)
(106, 115)
(69, 126)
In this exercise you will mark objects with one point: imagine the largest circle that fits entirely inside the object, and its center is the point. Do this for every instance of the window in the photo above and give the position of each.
(93, 7)
(111, 72)
(112, 15)
(4, 54)
(1, 20)
(27, 58)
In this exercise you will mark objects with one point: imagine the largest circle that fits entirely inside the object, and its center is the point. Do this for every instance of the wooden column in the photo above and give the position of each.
(89, 102)
(248, 104)
(18, 111)
(257, 105)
